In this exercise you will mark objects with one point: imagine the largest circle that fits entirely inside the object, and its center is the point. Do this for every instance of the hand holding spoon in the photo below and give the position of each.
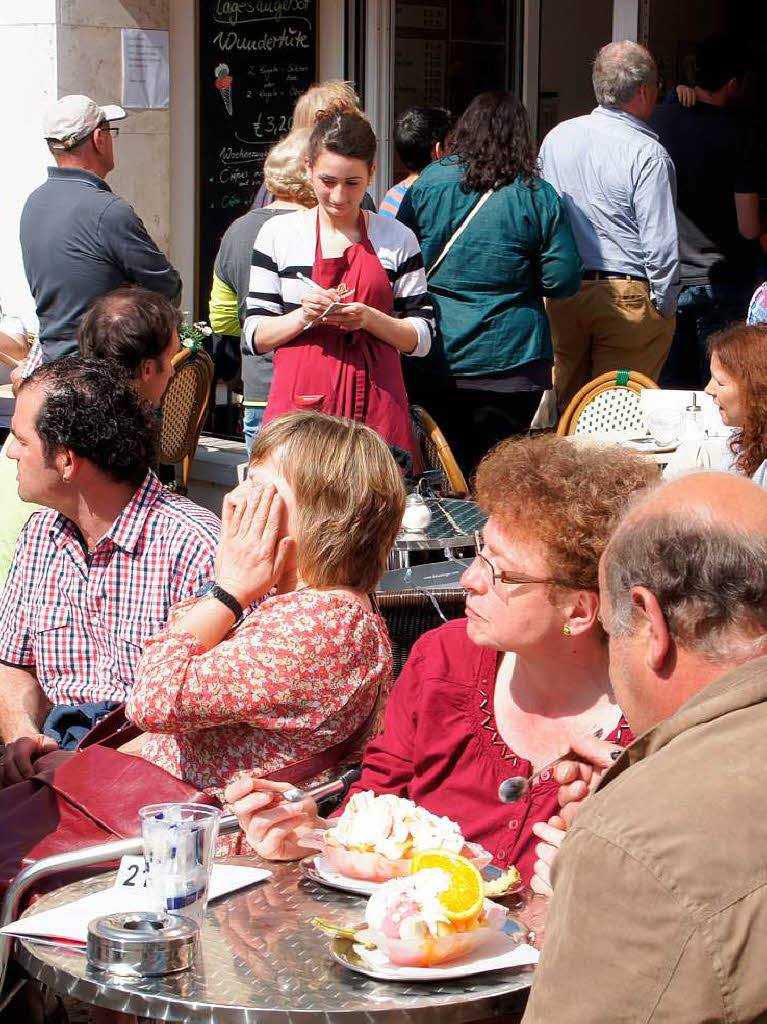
(513, 789)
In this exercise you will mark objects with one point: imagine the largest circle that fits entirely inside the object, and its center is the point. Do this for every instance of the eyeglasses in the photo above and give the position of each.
(106, 127)
(493, 575)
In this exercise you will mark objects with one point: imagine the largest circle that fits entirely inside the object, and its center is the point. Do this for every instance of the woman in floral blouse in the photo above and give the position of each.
(303, 543)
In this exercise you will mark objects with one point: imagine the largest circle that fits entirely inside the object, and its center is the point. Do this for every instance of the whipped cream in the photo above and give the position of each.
(394, 827)
(410, 906)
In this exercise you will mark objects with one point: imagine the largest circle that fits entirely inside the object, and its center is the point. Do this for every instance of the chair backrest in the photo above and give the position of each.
(184, 405)
(411, 613)
(435, 450)
(608, 403)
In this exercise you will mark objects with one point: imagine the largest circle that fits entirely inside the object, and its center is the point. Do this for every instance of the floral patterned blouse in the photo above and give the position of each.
(299, 673)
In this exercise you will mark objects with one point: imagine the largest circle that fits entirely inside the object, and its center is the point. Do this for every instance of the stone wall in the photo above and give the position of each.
(27, 86)
(49, 48)
(90, 61)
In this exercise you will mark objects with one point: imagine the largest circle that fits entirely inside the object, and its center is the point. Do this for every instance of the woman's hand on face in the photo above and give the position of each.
(315, 302)
(352, 317)
(253, 551)
(273, 826)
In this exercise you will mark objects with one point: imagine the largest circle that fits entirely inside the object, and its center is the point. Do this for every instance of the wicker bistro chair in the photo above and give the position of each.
(410, 613)
(183, 410)
(608, 403)
(435, 450)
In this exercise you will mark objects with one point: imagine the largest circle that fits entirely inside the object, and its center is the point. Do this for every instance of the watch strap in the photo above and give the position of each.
(234, 606)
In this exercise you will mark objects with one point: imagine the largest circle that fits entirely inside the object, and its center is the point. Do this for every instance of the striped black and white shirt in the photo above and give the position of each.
(285, 247)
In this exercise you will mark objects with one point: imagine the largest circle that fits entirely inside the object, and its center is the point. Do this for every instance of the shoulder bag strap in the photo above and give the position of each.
(459, 231)
(310, 767)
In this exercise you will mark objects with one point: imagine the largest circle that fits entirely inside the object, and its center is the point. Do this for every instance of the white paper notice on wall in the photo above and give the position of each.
(145, 68)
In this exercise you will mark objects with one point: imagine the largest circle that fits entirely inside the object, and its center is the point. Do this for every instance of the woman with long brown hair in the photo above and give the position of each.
(738, 386)
(496, 239)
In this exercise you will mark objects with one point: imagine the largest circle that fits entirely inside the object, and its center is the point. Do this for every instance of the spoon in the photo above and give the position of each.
(513, 789)
(318, 793)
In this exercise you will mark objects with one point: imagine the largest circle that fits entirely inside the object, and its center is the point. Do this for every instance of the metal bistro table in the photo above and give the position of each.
(453, 522)
(262, 961)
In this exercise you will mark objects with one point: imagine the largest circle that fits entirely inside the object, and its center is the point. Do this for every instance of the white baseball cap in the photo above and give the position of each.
(72, 118)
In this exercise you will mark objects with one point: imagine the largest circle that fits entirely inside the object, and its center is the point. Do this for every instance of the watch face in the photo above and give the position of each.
(205, 588)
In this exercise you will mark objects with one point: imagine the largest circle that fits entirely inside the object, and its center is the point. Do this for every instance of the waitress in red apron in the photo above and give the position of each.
(339, 350)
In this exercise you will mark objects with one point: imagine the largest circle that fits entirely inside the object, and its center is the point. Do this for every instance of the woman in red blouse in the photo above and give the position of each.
(505, 690)
(303, 543)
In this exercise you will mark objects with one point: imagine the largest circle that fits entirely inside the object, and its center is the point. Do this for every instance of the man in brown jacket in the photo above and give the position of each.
(659, 912)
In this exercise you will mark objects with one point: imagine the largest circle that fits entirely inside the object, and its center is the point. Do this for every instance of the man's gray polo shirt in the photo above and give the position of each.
(78, 242)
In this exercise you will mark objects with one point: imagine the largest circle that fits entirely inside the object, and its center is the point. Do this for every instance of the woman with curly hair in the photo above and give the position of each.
(492, 357)
(506, 690)
(738, 386)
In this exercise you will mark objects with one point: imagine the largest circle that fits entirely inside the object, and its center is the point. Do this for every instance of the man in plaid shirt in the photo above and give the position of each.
(96, 571)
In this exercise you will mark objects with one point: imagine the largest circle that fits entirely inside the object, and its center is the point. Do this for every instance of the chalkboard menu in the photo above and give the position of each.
(255, 57)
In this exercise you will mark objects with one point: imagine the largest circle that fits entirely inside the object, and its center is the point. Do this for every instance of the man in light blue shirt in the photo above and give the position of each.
(618, 185)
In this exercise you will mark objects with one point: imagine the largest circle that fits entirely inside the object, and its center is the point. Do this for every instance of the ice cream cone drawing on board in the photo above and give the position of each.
(224, 85)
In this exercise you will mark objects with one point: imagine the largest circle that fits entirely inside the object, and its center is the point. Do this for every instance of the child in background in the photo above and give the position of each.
(419, 138)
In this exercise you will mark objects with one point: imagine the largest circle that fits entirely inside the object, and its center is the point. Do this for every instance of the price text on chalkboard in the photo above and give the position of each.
(255, 58)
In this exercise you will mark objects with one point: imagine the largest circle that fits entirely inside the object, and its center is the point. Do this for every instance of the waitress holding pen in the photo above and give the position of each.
(339, 293)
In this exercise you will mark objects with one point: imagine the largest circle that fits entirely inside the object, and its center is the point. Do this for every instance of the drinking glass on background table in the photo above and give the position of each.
(666, 425)
(179, 846)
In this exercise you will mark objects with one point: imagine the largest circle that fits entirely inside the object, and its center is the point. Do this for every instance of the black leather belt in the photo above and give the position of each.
(608, 275)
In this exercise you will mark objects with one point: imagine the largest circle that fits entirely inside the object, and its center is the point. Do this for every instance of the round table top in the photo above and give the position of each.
(453, 522)
(262, 961)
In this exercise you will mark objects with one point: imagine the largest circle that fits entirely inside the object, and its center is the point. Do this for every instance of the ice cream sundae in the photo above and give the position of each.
(436, 914)
(377, 837)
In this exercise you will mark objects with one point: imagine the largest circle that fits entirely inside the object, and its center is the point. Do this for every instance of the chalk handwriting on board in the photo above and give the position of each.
(255, 58)
(288, 38)
(231, 12)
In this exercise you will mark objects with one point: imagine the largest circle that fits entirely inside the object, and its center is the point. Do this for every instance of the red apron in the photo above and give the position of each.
(347, 373)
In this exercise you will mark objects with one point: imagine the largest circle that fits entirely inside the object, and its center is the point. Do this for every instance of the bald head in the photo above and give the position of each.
(699, 544)
(620, 70)
(723, 499)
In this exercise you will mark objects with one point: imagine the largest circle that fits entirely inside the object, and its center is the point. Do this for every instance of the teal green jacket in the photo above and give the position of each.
(488, 291)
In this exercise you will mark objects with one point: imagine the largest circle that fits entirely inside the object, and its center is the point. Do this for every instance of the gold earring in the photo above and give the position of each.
(566, 631)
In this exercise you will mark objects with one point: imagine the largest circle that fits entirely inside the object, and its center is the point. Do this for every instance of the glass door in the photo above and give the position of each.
(447, 51)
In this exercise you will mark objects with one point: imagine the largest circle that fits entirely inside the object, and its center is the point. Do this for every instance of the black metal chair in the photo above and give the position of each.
(411, 613)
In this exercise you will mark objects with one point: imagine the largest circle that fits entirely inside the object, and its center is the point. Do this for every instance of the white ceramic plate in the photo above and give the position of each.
(319, 870)
(500, 952)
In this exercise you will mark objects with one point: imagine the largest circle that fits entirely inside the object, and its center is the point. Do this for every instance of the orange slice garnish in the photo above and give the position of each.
(462, 900)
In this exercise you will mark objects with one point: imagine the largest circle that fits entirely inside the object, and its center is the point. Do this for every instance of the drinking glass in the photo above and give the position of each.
(666, 425)
(179, 846)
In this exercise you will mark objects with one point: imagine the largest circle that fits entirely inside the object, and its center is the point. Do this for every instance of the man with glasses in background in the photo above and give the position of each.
(78, 239)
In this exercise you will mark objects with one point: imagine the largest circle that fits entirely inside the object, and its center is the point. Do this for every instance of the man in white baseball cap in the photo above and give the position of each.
(73, 118)
(78, 239)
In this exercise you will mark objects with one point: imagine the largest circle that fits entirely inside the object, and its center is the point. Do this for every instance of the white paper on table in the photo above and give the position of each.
(497, 954)
(659, 398)
(70, 921)
(146, 78)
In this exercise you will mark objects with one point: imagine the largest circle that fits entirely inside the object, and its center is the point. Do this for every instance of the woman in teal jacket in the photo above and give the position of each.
(492, 357)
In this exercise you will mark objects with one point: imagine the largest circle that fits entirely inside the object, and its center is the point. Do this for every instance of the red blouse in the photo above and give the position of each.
(440, 748)
(300, 673)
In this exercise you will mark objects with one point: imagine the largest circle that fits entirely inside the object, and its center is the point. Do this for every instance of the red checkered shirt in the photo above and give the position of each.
(81, 620)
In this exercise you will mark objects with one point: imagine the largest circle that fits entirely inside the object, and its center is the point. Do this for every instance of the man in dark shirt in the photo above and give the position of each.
(78, 239)
(716, 156)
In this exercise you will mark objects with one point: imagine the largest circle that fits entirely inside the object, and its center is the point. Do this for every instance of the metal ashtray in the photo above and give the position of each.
(140, 944)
